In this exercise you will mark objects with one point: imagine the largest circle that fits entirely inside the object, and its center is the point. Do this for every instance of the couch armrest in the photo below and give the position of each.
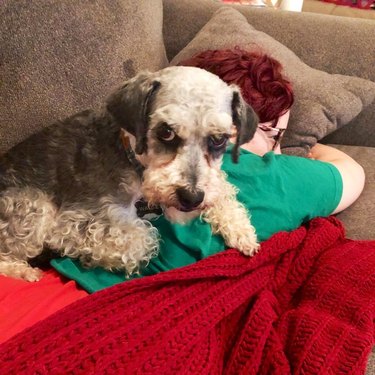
(333, 44)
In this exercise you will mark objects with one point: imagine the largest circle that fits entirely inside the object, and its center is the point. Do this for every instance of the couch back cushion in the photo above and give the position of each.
(61, 56)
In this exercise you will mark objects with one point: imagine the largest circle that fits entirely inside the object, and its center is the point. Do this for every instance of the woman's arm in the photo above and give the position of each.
(352, 174)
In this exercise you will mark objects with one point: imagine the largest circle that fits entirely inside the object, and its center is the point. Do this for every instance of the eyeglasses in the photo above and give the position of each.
(275, 133)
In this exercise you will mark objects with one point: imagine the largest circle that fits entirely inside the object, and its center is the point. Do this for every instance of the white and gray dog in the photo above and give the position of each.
(73, 187)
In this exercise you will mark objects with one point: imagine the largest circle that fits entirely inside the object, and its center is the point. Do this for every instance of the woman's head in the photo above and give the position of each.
(258, 75)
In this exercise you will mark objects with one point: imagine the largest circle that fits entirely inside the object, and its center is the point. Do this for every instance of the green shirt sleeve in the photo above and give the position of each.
(281, 192)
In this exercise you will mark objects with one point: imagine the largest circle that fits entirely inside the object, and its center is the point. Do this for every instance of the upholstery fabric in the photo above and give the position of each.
(359, 217)
(60, 56)
(304, 305)
(323, 102)
(317, 6)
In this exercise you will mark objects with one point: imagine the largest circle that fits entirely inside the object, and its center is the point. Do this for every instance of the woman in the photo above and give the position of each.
(270, 94)
(281, 192)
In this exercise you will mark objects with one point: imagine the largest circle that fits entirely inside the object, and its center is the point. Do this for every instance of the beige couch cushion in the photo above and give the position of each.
(323, 102)
(316, 6)
(61, 56)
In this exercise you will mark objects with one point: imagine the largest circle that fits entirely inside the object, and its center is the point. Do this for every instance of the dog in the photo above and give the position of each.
(74, 186)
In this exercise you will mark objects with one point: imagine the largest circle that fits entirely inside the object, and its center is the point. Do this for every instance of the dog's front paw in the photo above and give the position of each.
(33, 274)
(246, 242)
(20, 270)
(249, 249)
(231, 220)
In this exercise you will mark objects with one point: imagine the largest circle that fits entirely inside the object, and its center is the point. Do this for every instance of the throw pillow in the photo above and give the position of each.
(323, 101)
(61, 56)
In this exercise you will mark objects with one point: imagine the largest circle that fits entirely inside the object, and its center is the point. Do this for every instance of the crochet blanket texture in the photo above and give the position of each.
(305, 304)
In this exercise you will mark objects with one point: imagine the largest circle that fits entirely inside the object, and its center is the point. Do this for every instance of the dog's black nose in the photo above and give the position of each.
(189, 200)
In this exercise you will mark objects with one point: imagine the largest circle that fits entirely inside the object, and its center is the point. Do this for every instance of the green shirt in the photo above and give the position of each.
(281, 192)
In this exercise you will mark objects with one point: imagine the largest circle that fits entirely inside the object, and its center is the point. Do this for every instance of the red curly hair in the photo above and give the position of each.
(258, 75)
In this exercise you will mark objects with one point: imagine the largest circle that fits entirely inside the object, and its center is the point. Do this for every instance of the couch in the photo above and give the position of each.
(316, 6)
(52, 66)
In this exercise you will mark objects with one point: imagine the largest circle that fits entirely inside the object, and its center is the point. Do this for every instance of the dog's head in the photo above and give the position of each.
(181, 119)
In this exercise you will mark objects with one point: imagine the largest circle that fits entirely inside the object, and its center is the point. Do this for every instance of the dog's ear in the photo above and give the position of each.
(130, 105)
(245, 120)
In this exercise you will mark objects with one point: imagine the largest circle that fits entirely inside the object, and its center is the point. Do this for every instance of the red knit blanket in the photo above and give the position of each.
(303, 305)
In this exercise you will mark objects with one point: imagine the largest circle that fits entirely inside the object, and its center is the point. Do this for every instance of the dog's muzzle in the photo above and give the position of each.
(188, 200)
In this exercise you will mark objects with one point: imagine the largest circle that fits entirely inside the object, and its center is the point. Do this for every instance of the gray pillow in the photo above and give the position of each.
(61, 56)
(323, 102)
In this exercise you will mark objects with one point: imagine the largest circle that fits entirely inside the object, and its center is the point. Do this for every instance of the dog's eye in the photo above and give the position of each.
(217, 141)
(165, 133)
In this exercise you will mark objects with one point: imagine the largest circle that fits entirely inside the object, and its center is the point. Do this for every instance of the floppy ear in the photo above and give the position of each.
(130, 105)
(245, 121)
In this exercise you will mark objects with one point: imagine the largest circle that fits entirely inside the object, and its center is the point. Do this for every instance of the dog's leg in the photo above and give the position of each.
(126, 246)
(113, 237)
(26, 216)
(230, 218)
(19, 269)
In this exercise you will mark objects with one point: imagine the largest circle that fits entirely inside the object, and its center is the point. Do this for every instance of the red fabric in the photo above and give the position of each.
(303, 305)
(22, 304)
